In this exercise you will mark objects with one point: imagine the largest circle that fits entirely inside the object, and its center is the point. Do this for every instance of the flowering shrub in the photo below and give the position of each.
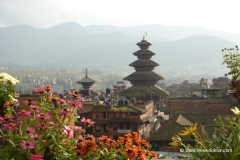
(46, 130)
(224, 143)
(7, 90)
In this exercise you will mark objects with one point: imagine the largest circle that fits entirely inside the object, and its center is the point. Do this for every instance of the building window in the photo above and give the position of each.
(128, 125)
(97, 115)
(134, 126)
(105, 115)
(115, 126)
(121, 125)
(106, 128)
(98, 128)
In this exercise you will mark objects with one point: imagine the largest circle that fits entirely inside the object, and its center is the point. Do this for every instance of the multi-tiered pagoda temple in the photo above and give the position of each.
(144, 79)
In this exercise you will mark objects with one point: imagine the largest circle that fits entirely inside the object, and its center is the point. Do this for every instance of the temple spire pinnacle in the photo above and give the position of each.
(86, 72)
(144, 38)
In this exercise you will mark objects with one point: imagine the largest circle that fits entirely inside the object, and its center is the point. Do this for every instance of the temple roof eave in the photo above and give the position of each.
(144, 76)
(145, 62)
(144, 90)
(144, 52)
(86, 80)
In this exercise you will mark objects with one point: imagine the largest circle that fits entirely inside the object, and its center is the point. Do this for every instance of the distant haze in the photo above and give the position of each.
(182, 52)
(218, 15)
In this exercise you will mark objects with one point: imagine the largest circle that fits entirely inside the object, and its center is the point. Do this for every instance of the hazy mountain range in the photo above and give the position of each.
(179, 50)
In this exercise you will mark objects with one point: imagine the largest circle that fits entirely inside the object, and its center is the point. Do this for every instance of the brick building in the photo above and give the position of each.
(197, 105)
(221, 82)
(115, 121)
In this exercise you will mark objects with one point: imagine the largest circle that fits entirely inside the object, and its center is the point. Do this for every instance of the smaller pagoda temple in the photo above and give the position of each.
(87, 83)
(144, 79)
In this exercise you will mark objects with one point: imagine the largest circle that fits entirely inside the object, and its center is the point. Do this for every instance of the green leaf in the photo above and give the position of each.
(11, 142)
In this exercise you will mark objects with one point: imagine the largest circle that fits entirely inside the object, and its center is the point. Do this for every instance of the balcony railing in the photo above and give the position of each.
(123, 130)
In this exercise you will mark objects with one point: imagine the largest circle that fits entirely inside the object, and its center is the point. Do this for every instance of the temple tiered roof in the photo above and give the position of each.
(86, 82)
(144, 79)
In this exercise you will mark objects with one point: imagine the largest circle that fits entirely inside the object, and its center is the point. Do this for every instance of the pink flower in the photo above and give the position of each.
(30, 130)
(65, 112)
(87, 122)
(35, 136)
(19, 122)
(29, 102)
(36, 157)
(90, 137)
(62, 102)
(39, 91)
(34, 108)
(42, 116)
(80, 139)
(10, 104)
(8, 117)
(28, 144)
(76, 104)
(78, 129)
(74, 94)
(24, 113)
(48, 88)
(1, 120)
(10, 126)
(68, 131)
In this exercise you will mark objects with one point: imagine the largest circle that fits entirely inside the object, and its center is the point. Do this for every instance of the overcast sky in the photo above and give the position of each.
(221, 15)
